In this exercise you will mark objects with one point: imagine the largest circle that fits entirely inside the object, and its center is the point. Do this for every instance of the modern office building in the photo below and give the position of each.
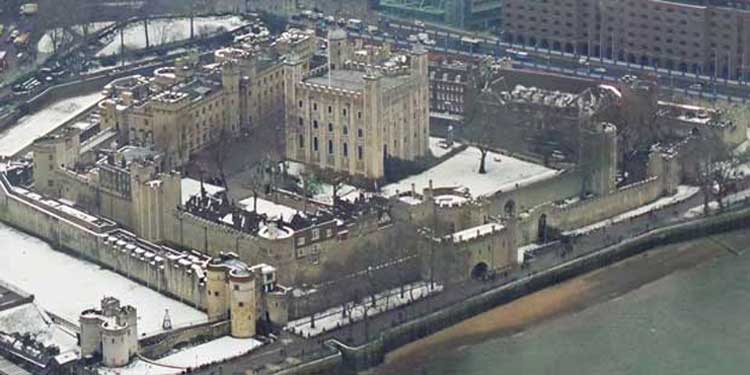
(711, 37)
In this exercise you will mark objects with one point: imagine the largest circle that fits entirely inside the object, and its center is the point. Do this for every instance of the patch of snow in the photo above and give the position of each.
(274, 211)
(324, 195)
(46, 46)
(29, 318)
(213, 351)
(504, 173)
(408, 199)
(192, 187)
(19, 136)
(683, 193)
(450, 200)
(475, 232)
(521, 251)
(713, 205)
(385, 301)
(439, 148)
(164, 31)
(66, 285)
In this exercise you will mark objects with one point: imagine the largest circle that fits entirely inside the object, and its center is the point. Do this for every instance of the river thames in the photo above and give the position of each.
(690, 320)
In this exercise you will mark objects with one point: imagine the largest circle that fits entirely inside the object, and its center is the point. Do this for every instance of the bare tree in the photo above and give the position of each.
(220, 152)
(716, 168)
(483, 109)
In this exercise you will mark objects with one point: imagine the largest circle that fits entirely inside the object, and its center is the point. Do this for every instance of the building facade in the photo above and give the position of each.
(458, 13)
(709, 37)
(367, 106)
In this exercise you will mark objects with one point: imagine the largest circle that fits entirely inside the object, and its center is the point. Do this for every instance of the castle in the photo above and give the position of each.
(110, 332)
(367, 105)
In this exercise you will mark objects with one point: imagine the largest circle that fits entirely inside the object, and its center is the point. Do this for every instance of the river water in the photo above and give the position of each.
(693, 321)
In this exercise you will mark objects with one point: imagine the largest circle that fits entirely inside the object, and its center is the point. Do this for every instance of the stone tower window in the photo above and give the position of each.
(330, 147)
(315, 144)
(330, 127)
(315, 124)
(315, 106)
(359, 152)
(301, 141)
(346, 150)
(330, 109)
(360, 133)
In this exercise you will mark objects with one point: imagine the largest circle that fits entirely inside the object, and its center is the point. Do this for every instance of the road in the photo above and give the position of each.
(467, 44)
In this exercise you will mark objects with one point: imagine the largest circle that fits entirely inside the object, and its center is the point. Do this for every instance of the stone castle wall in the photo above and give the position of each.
(172, 275)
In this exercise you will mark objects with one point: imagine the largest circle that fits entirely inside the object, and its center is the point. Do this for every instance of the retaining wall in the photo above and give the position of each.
(157, 346)
(373, 353)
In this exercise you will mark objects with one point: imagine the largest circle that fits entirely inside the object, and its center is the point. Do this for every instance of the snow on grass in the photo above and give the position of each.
(169, 30)
(384, 301)
(19, 136)
(683, 193)
(439, 148)
(66, 285)
(324, 193)
(210, 352)
(46, 46)
(192, 187)
(29, 318)
(504, 173)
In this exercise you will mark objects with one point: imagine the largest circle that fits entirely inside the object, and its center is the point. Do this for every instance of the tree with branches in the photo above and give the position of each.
(483, 109)
(716, 168)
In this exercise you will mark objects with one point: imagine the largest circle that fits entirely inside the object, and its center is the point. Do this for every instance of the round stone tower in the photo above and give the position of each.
(90, 332)
(216, 291)
(242, 303)
(115, 343)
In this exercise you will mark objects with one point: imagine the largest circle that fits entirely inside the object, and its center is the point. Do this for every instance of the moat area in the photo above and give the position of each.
(681, 309)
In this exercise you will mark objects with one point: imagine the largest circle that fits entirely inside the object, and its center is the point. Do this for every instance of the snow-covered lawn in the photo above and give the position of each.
(163, 31)
(29, 318)
(504, 173)
(683, 193)
(384, 301)
(324, 194)
(19, 136)
(46, 46)
(66, 285)
(439, 148)
(192, 187)
(212, 351)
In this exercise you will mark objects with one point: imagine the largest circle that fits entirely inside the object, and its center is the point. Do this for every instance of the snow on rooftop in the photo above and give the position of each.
(192, 187)
(450, 200)
(169, 30)
(212, 351)
(66, 285)
(408, 199)
(24, 132)
(504, 173)
(274, 211)
(478, 231)
(29, 318)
